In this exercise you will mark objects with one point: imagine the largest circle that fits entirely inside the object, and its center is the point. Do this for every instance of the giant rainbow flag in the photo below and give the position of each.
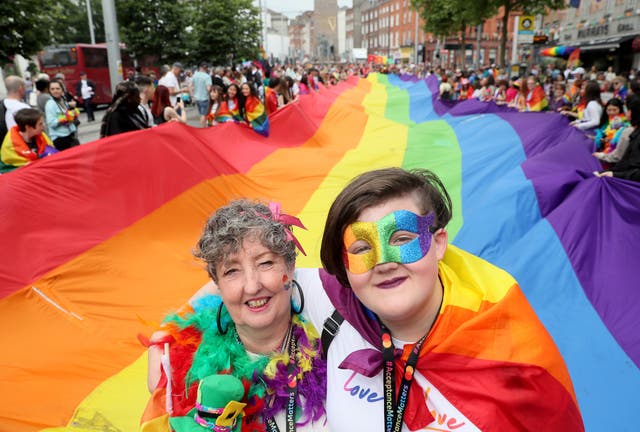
(97, 240)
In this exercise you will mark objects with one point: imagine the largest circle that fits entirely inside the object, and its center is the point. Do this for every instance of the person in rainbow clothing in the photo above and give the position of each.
(433, 337)
(249, 327)
(25, 142)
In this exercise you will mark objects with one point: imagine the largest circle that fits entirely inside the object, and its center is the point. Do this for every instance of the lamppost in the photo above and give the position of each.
(90, 17)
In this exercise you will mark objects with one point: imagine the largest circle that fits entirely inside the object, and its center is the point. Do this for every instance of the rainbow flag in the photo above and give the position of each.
(558, 51)
(97, 248)
(256, 115)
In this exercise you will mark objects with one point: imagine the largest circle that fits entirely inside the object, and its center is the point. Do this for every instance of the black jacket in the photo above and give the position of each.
(629, 166)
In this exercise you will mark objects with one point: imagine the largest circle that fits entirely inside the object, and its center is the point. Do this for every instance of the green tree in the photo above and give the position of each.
(156, 28)
(74, 26)
(450, 17)
(26, 26)
(531, 7)
(226, 30)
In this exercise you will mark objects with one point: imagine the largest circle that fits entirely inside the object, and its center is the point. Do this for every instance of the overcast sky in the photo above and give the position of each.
(292, 8)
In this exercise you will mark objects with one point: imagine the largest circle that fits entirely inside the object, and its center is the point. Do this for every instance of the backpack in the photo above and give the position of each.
(3, 123)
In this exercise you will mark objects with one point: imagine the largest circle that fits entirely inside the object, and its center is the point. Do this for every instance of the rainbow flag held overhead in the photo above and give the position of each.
(96, 247)
(558, 51)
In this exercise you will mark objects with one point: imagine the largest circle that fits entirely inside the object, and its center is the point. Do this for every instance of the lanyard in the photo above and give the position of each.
(394, 408)
(292, 392)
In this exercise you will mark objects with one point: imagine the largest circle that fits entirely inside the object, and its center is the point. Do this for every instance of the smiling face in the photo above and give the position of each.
(56, 90)
(406, 297)
(252, 285)
(612, 110)
(232, 91)
(246, 90)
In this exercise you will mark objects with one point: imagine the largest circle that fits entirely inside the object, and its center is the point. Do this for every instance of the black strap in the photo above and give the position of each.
(394, 409)
(292, 390)
(330, 329)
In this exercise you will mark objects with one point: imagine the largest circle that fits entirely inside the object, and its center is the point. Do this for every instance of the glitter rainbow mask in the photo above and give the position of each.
(379, 242)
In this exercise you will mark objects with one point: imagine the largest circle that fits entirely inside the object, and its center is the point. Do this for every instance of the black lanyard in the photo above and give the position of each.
(292, 389)
(394, 408)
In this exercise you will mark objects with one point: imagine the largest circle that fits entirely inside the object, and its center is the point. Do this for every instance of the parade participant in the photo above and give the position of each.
(536, 99)
(217, 111)
(162, 109)
(447, 333)
(252, 109)
(612, 123)
(233, 91)
(25, 142)
(252, 330)
(124, 114)
(620, 91)
(61, 118)
(626, 156)
(519, 101)
(561, 100)
(589, 111)
(271, 96)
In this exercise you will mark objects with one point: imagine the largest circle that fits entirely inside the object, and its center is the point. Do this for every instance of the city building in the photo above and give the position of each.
(606, 31)
(276, 43)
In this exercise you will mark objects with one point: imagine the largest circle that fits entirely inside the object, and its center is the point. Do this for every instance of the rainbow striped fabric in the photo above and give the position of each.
(96, 247)
(558, 51)
(256, 115)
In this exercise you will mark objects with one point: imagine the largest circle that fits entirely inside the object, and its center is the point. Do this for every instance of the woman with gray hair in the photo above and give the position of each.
(251, 329)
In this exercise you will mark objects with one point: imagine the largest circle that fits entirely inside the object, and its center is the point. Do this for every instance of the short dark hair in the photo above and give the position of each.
(376, 187)
(27, 117)
(143, 81)
(42, 85)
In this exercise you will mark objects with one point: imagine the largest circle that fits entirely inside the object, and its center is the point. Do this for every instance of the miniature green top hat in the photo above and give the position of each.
(218, 406)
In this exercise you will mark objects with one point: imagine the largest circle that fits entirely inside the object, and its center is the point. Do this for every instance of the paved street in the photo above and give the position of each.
(88, 132)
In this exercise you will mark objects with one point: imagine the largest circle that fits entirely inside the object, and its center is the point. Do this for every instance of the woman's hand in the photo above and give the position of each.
(603, 174)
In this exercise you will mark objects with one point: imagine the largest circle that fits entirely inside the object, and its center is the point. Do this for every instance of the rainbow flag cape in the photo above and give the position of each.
(256, 115)
(97, 249)
(223, 114)
(536, 99)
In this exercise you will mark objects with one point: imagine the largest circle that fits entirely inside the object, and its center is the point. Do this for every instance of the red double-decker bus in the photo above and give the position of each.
(70, 60)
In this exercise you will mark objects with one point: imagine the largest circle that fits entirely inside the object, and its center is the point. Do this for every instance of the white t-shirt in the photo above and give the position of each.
(13, 106)
(591, 116)
(355, 402)
(170, 81)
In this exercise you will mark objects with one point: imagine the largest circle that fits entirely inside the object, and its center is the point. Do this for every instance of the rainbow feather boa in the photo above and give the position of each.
(200, 350)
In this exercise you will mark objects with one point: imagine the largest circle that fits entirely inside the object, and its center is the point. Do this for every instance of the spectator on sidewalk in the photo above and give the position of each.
(171, 79)
(85, 89)
(14, 102)
(201, 87)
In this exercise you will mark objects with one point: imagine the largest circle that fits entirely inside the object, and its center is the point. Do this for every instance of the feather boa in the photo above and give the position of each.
(200, 350)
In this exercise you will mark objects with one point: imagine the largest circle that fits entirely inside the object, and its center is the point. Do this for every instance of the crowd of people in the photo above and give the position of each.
(594, 101)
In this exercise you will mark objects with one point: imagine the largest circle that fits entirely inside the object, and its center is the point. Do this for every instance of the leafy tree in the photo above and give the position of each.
(156, 27)
(226, 30)
(26, 26)
(74, 27)
(449, 17)
(526, 6)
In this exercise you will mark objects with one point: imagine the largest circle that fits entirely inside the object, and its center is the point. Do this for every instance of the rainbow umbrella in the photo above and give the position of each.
(558, 51)
(97, 240)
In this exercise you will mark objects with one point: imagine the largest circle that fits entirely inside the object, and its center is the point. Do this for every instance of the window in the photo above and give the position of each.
(59, 57)
(95, 57)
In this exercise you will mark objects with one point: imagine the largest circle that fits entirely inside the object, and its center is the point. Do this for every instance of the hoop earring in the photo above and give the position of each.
(219, 321)
(297, 285)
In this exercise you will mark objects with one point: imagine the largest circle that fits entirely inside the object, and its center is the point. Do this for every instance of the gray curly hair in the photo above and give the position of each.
(227, 228)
